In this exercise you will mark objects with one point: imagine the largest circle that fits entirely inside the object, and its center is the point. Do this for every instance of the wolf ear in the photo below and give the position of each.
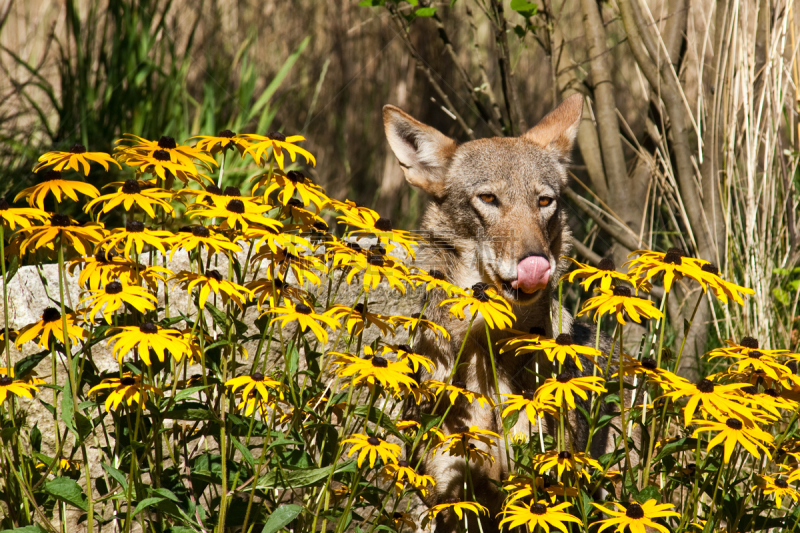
(558, 129)
(423, 152)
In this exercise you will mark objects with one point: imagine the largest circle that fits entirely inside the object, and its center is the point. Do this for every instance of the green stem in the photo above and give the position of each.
(497, 392)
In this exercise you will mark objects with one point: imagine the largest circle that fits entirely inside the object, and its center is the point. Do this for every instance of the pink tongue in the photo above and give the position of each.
(533, 273)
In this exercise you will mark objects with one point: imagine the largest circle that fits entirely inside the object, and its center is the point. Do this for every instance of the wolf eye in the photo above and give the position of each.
(488, 198)
(544, 201)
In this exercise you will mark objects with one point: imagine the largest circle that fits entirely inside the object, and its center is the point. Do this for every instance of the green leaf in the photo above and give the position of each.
(24, 366)
(68, 407)
(374, 414)
(651, 492)
(680, 445)
(244, 451)
(425, 12)
(281, 518)
(144, 504)
(187, 393)
(36, 528)
(301, 478)
(510, 420)
(277, 81)
(190, 414)
(524, 8)
(371, 3)
(118, 476)
(67, 490)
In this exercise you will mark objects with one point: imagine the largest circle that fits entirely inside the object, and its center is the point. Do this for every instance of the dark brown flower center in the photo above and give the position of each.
(705, 386)
(528, 395)
(294, 202)
(452, 500)
(383, 224)
(236, 206)
(51, 314)
(51, 175)
(161, 155)
(733, 423)
(277, 136)
(437, 274)
(5, 380)
(479, 292)
(539, 508)
(563, 377)
(61, 221)
(134, 226)
(232, 191)
(649, 363)
(4, 204)
(755, 354)
(634, 511)
(711, 269)
(622, 291)
(115, 287)
(565, 339)
(201, 231)
(148, 327)
(131, 187)
(379, 362)
(359, 308)
(461, 429)
(607, 264)
(167, 143)
(257, 376)
(460, 384)
(377, 249)
(781, 484)
(226, 133)
(303, 309)
(374, 441)
(127, 381)
(106, 256)
(77, 149)
(319, 225)
(376, 260)
(771, 392)
(536, 330)
(406, 348)
(749, 342)
(213, 189)
(750, 390)
(353, 246)
(295, 176)
(565, 455)
(672, 258)
(214, 274)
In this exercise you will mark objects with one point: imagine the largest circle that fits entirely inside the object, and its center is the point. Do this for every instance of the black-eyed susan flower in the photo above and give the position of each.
(268, 291)
(521, 487)
(130, 193)
(113, 295)
(779, 487)
(743, 349)
(372, 370)
(130, 388)
(271, 244)
(717, 399)
(673, 264)
(458, 389)
(278, 142)
(107, 266)
(302, 266)
(369, 223)
(305, 316)
(76, 158)
(563, 388)
(358, 316)
(289, 184)
(646, 367)
(213, 282)
(564, 461)
(402, 472)
(620, 300)
(435, 279)
(22, 217)
(400, 519)
(417, 321)
(635, 517)
(134, 236)
(468, 450)
(148, 337)
(224, 140)
(756, 361)
(378, 267)
(483, 299)
(561, 348)
(51, 327)
(462, 434)
(195, 236)
(265, 408)
(372, 448)
(344, 254)
(407, 354)
(538, 514)
(236, 214)
(606, 273)
(162, 165)
(732, 431)
(456, 506)
(721, 288)
(60, 226)
(53, 183)
(534, 406)
(130, 146)
(16, 387)
(769, 401)
(258, 383)
(63, 464)
(30, 377)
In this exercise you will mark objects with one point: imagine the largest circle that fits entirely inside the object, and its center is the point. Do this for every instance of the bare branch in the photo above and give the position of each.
(586, 252)
(503, 60)
(588, 209)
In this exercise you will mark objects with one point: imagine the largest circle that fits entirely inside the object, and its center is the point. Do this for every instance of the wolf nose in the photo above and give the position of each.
(533, 273)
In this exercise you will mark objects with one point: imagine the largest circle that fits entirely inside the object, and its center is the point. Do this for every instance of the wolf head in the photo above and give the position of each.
(495, 202)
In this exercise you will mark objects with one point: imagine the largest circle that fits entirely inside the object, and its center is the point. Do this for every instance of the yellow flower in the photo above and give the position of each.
(636, 517)
(722, 289)
(74, 159)
(620, 301)
(224, 140)
(18, 387)
(107, 266)
(564, 388)
(415, 321)
(358, 316)
(406, 353)
(236, 214)
(65, 465)
(435, 279)
(20, 216)
(53, 184)
(278, 142)
(290, 183)
(148, 337)
(194, 236)
(731, 432)
(466, 433)
(51, 327)
(369, 223)
(129, 388)
(132, 193)
(212, 281)
(114, 295)
(136, 151)
(769, 400)
(456, 389)
(483, 299)
(673, 264)
(30, 377)
(72, 236)
(561, 348)
(458, 507)
(371, 447)
(778, 487)
(269, 291)
(136, 234)
(647, 367)
(564, 461)
(258, 382)
(300, 265)
(373, 370)
(305, 316)
(402, 472)
(717, 399)
(606, 273)
(535, 406)
(162, 165)
(521, 487)
(377, 266)
(538, 514)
